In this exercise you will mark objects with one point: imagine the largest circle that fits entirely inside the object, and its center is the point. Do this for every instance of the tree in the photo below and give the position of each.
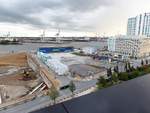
(146, 62)
(72, 87)
(142, 62)
(109, 72)
(132, 68)
(129, 66)
(140, 68)
(114, 77)
(102, 81)
(116, 69)
(126, 67)
(53, 94)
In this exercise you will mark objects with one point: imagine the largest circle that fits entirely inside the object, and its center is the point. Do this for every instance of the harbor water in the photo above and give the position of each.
(29, 47)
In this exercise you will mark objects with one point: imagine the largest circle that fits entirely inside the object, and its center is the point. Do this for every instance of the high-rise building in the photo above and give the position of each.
(139, 25)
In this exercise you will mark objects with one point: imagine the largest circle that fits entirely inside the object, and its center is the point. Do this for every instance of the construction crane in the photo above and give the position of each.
(42, 35)
(6, 35)
(58, 39)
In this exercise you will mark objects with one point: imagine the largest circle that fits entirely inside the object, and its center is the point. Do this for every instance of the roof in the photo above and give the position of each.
(129, 97)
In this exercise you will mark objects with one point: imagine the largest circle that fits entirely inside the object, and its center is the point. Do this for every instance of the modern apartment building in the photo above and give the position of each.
(130, 46)
(139, 25)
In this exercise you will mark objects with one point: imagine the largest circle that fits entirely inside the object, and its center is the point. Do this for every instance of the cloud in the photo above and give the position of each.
(66, 14)
(86, 5)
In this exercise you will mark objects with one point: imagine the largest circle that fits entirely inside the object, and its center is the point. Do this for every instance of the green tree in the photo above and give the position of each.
(72, 87)
(140, 68)
(132, 68)
(116, 69)
(146, 62)
(129, 66)
(109, 72)
(126, 66)
(114, 77)
(102, 82)
(142, 62)
(53, 94)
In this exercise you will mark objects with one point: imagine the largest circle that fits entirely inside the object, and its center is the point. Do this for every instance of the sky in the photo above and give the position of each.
(72, 17)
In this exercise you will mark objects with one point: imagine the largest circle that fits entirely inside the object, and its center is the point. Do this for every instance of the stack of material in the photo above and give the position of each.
(43, 56)
(57, 66)
(53, 63)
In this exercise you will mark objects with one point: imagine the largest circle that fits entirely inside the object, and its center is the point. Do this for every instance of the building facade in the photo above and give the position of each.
(129, 46)
(139, 25)
(111, 44)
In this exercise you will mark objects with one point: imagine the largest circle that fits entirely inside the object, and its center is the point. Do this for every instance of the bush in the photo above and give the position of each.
(140, 68)
(102, 81)
(123, 76)
(114, 77)
(134, 74)
(147, 70)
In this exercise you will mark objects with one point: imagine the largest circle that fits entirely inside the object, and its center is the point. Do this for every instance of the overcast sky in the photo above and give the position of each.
(73, 17)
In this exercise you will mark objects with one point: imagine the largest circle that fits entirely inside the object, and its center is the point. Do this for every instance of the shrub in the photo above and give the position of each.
(123, 76)
(114, 77)
(134, 74)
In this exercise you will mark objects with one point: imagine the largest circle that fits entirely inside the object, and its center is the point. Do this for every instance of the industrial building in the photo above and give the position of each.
(139, 25)
(130, 46)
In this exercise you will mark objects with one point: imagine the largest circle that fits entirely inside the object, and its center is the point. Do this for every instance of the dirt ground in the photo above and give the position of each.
(14, 85)
(13, 81)
(12, 92)
(17, 59)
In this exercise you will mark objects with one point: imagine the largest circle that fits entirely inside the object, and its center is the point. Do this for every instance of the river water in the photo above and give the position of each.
(27, 47)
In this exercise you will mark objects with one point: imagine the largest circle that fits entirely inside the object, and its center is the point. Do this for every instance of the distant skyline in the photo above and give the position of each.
(73, 17)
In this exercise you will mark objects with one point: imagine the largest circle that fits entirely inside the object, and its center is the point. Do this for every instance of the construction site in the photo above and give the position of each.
(26, 76)
(21, 79)
(64, 63)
